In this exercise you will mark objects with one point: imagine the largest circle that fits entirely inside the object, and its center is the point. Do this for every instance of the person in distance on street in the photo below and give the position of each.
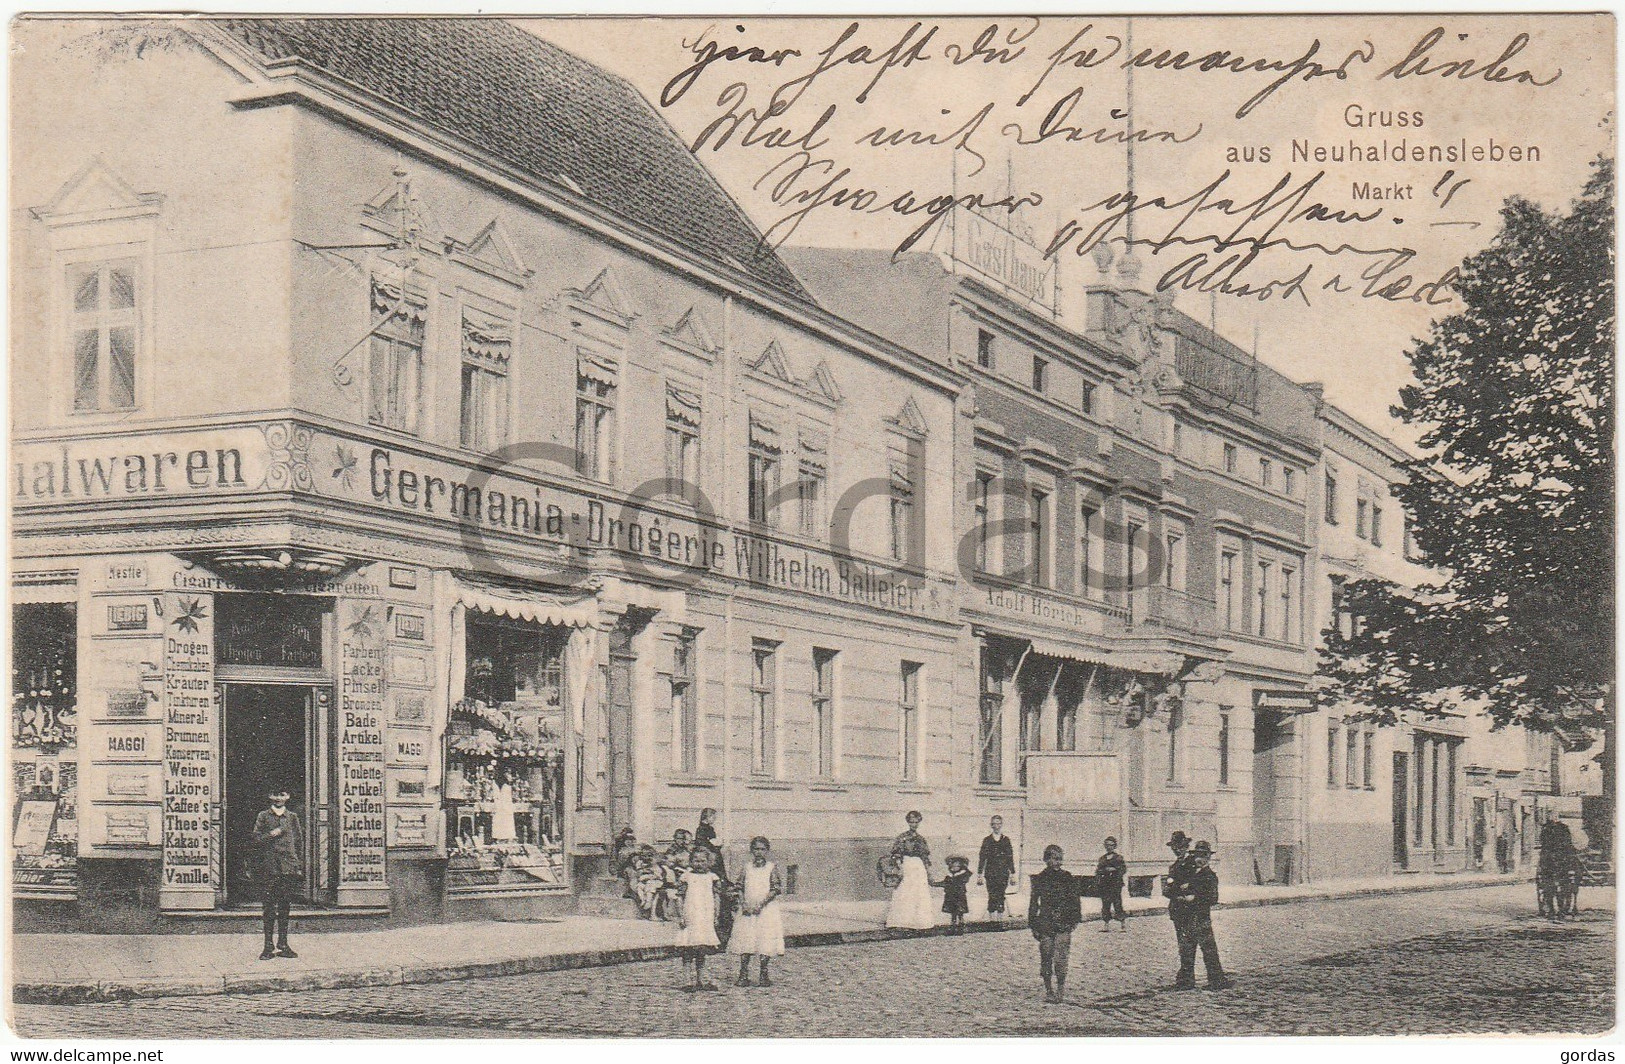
(280, 842)
(996, 863)
(1110, 872)
(954, 900)
(1053, 912)
(1195, 893)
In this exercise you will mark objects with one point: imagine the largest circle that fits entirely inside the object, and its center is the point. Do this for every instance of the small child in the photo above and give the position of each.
(1110, 872)
(759, 930)
(955, 901)
(1052, 914)
(697, 924)
(647, 876)
(674, 863)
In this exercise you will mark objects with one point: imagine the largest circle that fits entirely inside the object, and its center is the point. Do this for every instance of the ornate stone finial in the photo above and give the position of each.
(1103, 255)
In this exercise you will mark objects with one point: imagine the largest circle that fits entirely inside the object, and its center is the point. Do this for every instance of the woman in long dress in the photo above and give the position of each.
(911, 900)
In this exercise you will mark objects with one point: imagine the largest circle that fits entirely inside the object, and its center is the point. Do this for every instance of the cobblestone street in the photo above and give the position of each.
(1453, 961)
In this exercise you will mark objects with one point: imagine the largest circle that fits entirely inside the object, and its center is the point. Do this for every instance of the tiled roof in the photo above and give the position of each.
(905, 301)
(531, 104)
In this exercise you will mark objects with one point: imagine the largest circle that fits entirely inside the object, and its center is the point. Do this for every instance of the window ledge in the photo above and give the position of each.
(694, 781)
(826, 787)
(769, 785)
(913, 789)
(999, 790)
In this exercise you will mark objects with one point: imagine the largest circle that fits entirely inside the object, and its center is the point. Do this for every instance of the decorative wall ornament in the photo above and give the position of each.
(289, 469)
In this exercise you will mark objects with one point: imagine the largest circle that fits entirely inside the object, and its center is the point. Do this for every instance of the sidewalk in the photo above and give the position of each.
(73, 968)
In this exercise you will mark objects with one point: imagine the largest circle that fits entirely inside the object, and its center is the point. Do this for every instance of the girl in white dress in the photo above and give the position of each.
(910, 904)
(697, 926)
(760, 927)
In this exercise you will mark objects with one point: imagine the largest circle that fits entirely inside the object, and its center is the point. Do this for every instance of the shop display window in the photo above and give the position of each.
(504, 785)
(44, 750)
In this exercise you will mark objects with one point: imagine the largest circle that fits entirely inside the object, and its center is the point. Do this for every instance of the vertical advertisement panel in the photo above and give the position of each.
(190, 876)
(361, 752)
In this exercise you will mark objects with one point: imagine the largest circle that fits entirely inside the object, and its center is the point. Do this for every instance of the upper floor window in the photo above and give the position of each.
(682, 436)
(1331, 499)
(984, 349)
(487, 350)
(1266, 473)
(902, 512)
(1289, 605)
(106, 334)
(1376, 525)
(595, 420)
(1091, 553)
(395, 368)
(1086, 403)
(1231, 457)
(1261, 595)
(1228, 591)
(1361, 509)
(1408, 534)
(1342, 620)
(1179, 438)
(1289, 480)
(1173, 561)
(981, 514)
(810, 487)
(763, 472)
(1040, 368)
(1039, 537)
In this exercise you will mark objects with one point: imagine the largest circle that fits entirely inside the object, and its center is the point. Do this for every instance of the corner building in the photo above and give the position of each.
(390, 437)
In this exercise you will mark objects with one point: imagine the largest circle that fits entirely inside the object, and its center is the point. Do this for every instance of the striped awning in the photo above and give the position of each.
(522, 605)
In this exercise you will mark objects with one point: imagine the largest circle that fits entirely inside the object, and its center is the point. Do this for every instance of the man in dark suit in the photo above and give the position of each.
(996, 864)
(280, 841)
(1195, 891)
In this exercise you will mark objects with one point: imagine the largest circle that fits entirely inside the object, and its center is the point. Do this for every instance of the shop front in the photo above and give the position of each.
(44, 754)
(1085, 730)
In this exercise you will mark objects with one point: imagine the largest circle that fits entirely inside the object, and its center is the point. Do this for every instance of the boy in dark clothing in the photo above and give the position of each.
(1194, 891)
(1052, 914)
(1110, 872)
(996, 863)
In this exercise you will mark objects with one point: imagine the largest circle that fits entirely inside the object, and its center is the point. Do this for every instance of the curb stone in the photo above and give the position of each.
(62, 993)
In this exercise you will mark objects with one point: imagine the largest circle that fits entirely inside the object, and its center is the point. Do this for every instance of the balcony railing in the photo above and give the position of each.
(1163, 607)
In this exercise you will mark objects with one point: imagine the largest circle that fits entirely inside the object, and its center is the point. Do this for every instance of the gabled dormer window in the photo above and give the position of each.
(106, 332)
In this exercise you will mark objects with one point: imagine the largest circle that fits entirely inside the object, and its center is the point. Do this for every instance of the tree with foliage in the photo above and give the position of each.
(1513, 505)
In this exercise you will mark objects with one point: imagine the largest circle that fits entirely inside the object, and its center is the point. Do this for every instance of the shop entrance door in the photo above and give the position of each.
(1266, 739)
(267, 731)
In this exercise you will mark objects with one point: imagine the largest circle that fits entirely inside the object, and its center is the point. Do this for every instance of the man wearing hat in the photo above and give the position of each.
(1194, 892)
(280, 841)
(1180, 843)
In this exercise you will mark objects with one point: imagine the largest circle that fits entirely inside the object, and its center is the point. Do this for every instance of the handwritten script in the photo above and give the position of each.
(828, 118)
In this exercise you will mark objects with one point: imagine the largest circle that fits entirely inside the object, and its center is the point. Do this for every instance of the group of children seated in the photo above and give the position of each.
(652, 877)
